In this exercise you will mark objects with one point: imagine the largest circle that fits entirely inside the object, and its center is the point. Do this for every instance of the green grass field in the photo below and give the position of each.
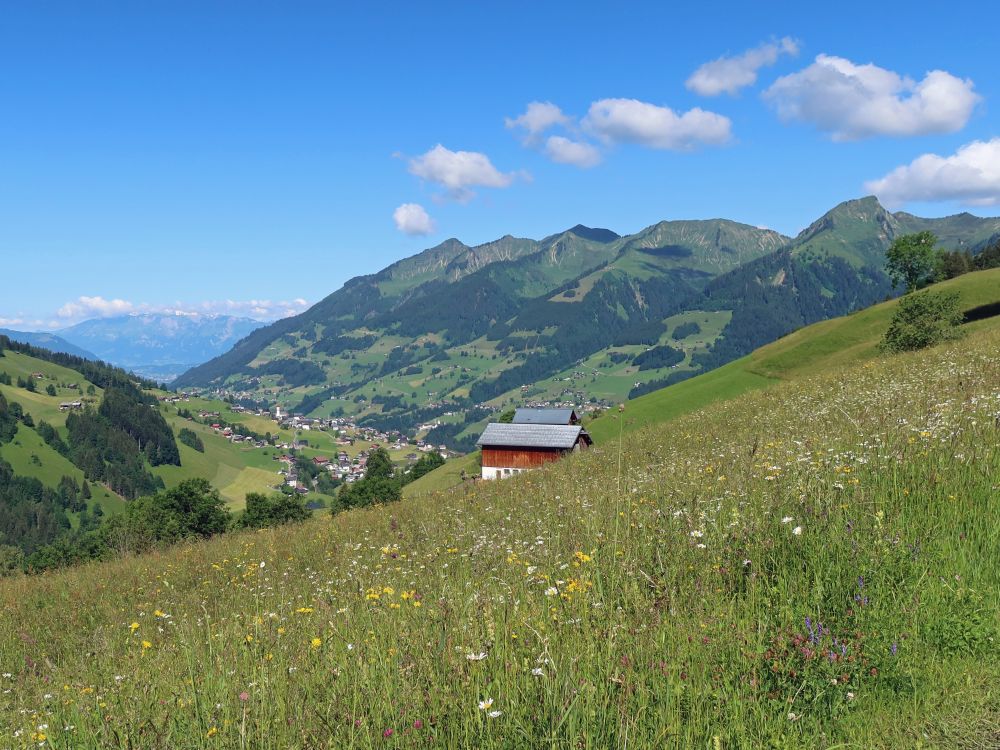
(815, 564)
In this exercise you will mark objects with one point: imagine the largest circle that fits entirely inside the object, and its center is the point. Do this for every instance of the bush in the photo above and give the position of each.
(263, 511)
(923, 320)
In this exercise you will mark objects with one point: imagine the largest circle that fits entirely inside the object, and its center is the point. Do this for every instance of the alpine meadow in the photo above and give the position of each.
(560, 376)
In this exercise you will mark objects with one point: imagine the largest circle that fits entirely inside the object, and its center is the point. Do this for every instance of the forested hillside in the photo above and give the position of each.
(453, 333)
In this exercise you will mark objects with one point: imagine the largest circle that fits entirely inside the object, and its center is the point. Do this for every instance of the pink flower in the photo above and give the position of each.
(387, 733)
(244, 696)
(418, 724)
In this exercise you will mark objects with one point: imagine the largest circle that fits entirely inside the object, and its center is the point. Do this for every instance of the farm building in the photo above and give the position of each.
(545, 416)
(509, 449)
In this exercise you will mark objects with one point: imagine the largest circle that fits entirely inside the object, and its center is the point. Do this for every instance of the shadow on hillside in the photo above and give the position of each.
(982, 312)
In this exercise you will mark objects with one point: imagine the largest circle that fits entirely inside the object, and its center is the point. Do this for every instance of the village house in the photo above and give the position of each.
(509, 449)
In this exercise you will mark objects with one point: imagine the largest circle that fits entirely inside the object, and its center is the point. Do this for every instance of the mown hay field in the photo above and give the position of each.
(811, 565)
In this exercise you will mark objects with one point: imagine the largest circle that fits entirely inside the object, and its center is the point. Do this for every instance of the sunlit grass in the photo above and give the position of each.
(813, 565)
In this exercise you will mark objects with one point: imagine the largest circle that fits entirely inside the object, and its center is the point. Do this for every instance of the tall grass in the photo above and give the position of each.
(815, 565)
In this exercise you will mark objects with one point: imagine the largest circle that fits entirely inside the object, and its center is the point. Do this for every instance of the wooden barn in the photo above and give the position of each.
(509, 449)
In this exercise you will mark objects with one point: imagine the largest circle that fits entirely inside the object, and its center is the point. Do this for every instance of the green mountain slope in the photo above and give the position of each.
(818, 348)
(455, 332)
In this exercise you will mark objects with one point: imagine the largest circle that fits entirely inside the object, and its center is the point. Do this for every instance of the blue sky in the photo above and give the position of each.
(250, 157)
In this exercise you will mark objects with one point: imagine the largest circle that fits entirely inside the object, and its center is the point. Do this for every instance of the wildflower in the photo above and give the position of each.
(476, 657)
(388, 732)
(697, 534)
(146, 644)
(850, 696)
(797, 531)
(486, 704)
(787, 519)
(494, 714)
(538, 672)
(316, 642)
(418, 724)
(244, 696)
(792, 716)
(212, 732)
(551, 591)
(133, 627)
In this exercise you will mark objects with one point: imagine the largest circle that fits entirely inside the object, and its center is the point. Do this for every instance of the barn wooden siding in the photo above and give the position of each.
(520, 458)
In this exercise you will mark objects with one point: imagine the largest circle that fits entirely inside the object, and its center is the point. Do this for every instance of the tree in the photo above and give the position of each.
(912, 261)
(922, 320)
(506, 417)
(50, 389)
(262, 511)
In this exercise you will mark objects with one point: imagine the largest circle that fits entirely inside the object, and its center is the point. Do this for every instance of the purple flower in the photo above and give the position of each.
(861, 582)
(893, 648)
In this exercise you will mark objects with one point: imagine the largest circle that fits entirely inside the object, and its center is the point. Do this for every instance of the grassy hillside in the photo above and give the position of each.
(813, 349)
(811, 565)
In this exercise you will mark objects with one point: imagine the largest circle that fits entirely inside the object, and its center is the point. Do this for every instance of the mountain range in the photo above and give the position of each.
(585, 315)
(158, 345)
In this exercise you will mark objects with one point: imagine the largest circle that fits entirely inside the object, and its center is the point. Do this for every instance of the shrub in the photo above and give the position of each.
(923, 320)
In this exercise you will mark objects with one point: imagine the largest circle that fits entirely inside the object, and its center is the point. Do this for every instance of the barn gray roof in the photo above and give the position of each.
(543, 416)
(531, 435)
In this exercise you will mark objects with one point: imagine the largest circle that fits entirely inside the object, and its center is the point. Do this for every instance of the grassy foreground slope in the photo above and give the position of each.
(811, 565)
(813, 349)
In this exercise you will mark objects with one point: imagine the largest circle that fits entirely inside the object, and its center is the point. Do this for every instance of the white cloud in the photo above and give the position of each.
(95, 307)
(858, 101)
(633, 121)
(412, 219)
(86, 308)
(727, 75)
(537, 118)
(458, 171)
(971, 175)
(577, 153)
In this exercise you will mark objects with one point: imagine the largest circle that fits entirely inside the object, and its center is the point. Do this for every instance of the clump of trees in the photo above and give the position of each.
(263, 511)
(914, 261)
(190, 438)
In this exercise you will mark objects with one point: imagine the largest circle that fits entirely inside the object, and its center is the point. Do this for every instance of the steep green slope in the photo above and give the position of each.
(813, 565)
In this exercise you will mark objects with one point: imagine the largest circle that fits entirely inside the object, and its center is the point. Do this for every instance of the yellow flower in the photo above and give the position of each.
(160, 613)
(281, 631)
(304, 610)
(146, 644)
(317, 642)
(212, 732)
(133, 627)
(249, 638)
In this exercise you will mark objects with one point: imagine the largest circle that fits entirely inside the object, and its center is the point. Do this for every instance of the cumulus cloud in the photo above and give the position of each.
(634, 121)
(971, 175)
(86, 308)
(859, 101)
(95, 307)
(412, 219)
(537, 118)
(727, 75)
(578, 153)
(458, 171)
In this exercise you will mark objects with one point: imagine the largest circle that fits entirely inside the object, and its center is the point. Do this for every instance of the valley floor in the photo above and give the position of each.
(811, 565)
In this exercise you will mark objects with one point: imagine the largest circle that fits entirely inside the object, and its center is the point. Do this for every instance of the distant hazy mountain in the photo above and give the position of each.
(159, 346)
(46, 341)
